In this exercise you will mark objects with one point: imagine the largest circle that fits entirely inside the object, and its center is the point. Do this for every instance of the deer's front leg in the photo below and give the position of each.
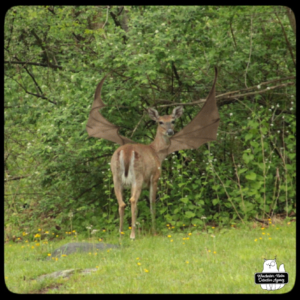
(152, 196)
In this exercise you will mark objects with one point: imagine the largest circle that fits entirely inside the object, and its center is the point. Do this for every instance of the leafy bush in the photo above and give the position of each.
(157, 56)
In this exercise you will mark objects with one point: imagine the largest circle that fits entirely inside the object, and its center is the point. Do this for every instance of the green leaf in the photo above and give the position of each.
(184, 200)
(251, 176)
(240, 171)
(189, 214)
(215, 201)
(248, 136)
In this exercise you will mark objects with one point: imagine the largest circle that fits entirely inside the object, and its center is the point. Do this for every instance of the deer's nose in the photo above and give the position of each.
(170, 132)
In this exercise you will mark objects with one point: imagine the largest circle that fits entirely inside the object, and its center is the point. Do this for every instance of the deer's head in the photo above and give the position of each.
(165, 123)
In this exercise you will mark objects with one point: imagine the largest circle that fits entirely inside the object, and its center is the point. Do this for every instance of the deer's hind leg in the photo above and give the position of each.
(135, 194)
(119, 195)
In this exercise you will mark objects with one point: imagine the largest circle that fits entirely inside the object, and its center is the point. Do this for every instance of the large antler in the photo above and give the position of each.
(98, 126)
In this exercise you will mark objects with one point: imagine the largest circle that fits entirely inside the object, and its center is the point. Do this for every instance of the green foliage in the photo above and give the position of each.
(54, 58)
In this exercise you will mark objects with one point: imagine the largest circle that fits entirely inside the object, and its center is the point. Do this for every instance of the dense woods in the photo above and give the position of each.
(162, 57)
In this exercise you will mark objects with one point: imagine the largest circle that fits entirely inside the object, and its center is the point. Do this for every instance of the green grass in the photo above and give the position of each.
(218, 261)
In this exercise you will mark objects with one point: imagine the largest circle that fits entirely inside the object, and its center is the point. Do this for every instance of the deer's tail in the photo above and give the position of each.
(127, 166)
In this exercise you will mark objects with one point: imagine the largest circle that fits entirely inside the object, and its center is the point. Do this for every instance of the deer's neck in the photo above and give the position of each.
(159, 144)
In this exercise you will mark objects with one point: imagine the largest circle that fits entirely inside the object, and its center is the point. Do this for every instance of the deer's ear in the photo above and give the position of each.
(153, 114)
(177, 112)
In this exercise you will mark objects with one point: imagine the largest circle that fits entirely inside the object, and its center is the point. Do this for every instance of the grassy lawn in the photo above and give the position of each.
(215, 261)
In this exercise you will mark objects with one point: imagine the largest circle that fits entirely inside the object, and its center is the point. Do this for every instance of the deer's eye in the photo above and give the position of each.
(161, 122)
(173, 122)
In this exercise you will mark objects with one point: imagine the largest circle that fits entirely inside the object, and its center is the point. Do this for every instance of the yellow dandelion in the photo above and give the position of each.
(37, 235)
(95, 253)
(97, 267)
(260, 238)
(90, 253)
(187, 262)
(39, 229)
(184, 239)
(146, 270)
(22, 246)
(129, 228)
(24, 233)
(103, 230)
(26, 241)
(63, 255)
(46, 232)
(37, 244)
(171, 240)
(268, 233)
(262, 228)
(209, 251)
(57, 235)
(32, 247)
(169, 236)
(56, 259)
(49, 254)
(73, 230)
(289, 223)
(187, 238)
(215, 252)
(194, 225)
(255, 240)
(122, 232)
(100, 240)
(270, 238)
(168, 225)
(138, 263)
(213, 227)
(183, 243)
(173, 227)
(190, 233)
(277, 228)
(263, 232)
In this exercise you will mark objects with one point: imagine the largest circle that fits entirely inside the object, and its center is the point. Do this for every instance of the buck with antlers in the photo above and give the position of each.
(137, 165)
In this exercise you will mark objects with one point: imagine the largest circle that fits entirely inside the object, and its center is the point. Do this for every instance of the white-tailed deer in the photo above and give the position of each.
(136, 165)
(139, 166)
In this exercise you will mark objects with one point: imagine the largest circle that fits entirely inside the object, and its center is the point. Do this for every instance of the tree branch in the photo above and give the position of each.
(37, 86)
(32, 63)
(286, 39)
(15, 178)
(117, 23)
(232, 32)
(291, 17)
(176, 74)
(250, 52)
(232, 95)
